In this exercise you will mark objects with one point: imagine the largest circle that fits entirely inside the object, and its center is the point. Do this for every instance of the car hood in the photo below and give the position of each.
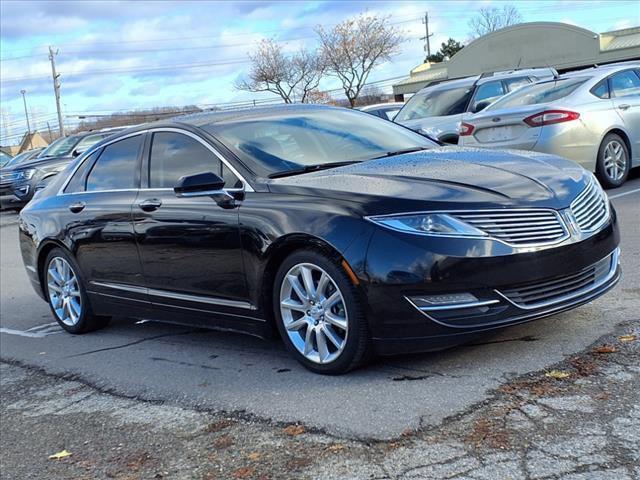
(431, 125)
(449, 176)
(36, 162)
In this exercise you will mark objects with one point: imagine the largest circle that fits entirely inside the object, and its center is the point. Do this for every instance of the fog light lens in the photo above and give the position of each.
(443, 299)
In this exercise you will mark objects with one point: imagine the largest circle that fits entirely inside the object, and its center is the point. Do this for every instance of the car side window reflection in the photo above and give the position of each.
(625, 84)
(601, 90)
(77, 182)
(116, 166)
(174, 155)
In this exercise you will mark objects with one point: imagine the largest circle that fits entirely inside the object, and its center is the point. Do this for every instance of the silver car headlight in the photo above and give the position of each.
(437, 224)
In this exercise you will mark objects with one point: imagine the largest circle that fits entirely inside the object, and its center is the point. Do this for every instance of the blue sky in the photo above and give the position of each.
(120, 55)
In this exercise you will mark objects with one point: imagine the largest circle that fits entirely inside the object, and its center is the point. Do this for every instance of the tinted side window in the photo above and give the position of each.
(601, 90)
(515, 83)
(624, 84)
(76, 184)
(116, 166)
(488, 92)
(174, 155)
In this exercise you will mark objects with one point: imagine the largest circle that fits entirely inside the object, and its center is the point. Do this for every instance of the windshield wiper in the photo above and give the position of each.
(400, 152)
(311, 168)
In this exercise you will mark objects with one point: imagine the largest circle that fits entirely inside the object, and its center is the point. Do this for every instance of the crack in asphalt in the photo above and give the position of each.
(130, 344)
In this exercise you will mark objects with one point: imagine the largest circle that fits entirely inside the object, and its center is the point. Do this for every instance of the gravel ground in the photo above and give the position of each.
(577, 420)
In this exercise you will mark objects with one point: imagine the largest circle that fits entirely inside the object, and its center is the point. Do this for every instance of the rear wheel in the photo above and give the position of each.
(67, 296)
(612, 167)
(318, 314)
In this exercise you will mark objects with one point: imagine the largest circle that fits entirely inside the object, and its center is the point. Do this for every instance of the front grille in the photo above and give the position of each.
(518, 227)
(555, 290)
(590, 208)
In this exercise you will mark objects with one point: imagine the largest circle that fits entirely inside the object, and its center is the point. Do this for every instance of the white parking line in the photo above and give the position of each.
(611, 197)
(40, 331)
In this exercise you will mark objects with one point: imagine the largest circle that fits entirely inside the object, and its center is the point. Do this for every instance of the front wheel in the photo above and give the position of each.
(66, 294)
(612, 167)
(319, 315)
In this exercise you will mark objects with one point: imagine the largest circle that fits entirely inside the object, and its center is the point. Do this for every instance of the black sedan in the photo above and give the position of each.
(351, 235)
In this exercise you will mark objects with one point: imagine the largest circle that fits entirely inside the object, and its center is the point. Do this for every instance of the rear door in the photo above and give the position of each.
(625, 93)
(99, 197)
(190, 247)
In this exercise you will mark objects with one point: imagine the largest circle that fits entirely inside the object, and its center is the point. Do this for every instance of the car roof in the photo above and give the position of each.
(366, 108)
(480, 79)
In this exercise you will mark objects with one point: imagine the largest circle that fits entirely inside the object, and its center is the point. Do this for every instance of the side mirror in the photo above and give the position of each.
(206, 184)
(480, 106)
(76, 153)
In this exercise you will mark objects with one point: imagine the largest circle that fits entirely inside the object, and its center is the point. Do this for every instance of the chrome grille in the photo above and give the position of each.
(590, 208)
(551, 291)
(518, 227)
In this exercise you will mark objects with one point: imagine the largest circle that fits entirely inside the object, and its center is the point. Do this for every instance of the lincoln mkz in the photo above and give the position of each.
(349, 235)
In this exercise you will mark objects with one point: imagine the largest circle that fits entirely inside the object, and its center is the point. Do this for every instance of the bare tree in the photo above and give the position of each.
(490, 19)
(288, 76)
(354, 47)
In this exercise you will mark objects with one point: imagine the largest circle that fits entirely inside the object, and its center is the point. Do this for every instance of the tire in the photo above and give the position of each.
(66, 294)
(612, 165)
(327, 333)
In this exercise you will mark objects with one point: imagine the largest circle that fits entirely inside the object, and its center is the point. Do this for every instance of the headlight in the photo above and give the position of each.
(26, 174)
(438, 224)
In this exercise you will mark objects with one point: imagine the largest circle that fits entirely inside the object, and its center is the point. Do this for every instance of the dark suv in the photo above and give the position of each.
(21, 179)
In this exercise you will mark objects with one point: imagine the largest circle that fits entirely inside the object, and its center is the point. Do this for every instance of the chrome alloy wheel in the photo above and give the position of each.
(64, 291)
(615, 160)
(314, 313)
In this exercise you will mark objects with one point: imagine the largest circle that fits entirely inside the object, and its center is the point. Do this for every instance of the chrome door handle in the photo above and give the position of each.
(150, 204)
(77, 207)
(624, 106)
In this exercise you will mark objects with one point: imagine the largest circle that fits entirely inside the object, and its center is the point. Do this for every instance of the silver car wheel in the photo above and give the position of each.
(64, 291)
(314, 313)
(615, 160)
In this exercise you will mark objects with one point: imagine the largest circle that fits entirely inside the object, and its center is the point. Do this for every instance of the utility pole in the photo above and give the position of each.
(50, 134)
(56, 87)
(425, 22)
(26, 114)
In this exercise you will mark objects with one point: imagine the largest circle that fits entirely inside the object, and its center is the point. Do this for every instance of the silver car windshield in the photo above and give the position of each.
(435, 104)
(543, 92)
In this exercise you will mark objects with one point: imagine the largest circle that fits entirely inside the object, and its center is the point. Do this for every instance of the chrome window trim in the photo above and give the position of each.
(528, 247)
(174, 295)
(247, 186)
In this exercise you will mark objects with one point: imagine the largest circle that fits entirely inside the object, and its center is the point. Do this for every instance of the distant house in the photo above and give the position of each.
(31, 141)
(12, 150)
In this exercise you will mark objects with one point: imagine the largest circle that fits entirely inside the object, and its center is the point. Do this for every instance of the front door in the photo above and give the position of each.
(625, 93)
(189, 247)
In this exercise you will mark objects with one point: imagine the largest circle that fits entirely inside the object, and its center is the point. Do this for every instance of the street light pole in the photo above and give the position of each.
(26, 114)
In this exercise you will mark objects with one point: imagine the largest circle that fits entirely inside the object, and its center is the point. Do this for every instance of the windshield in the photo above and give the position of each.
(543, 92)
(19, 158)
(4, 159)
(435, 104)
(60, 148)
(297, 139)
(89, 141)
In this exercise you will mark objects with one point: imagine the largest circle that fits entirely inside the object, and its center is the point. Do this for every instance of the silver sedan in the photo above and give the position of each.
(591, 116)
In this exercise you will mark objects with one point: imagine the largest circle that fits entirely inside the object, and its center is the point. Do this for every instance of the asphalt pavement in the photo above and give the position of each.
(251, 378)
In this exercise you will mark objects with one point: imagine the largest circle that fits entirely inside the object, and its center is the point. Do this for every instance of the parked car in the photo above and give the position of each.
(438, 109)
(387, 111)
(22, 178)
(375, 241)
(591, 117)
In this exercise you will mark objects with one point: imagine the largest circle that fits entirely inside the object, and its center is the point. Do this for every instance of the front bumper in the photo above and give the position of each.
(509, 289)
